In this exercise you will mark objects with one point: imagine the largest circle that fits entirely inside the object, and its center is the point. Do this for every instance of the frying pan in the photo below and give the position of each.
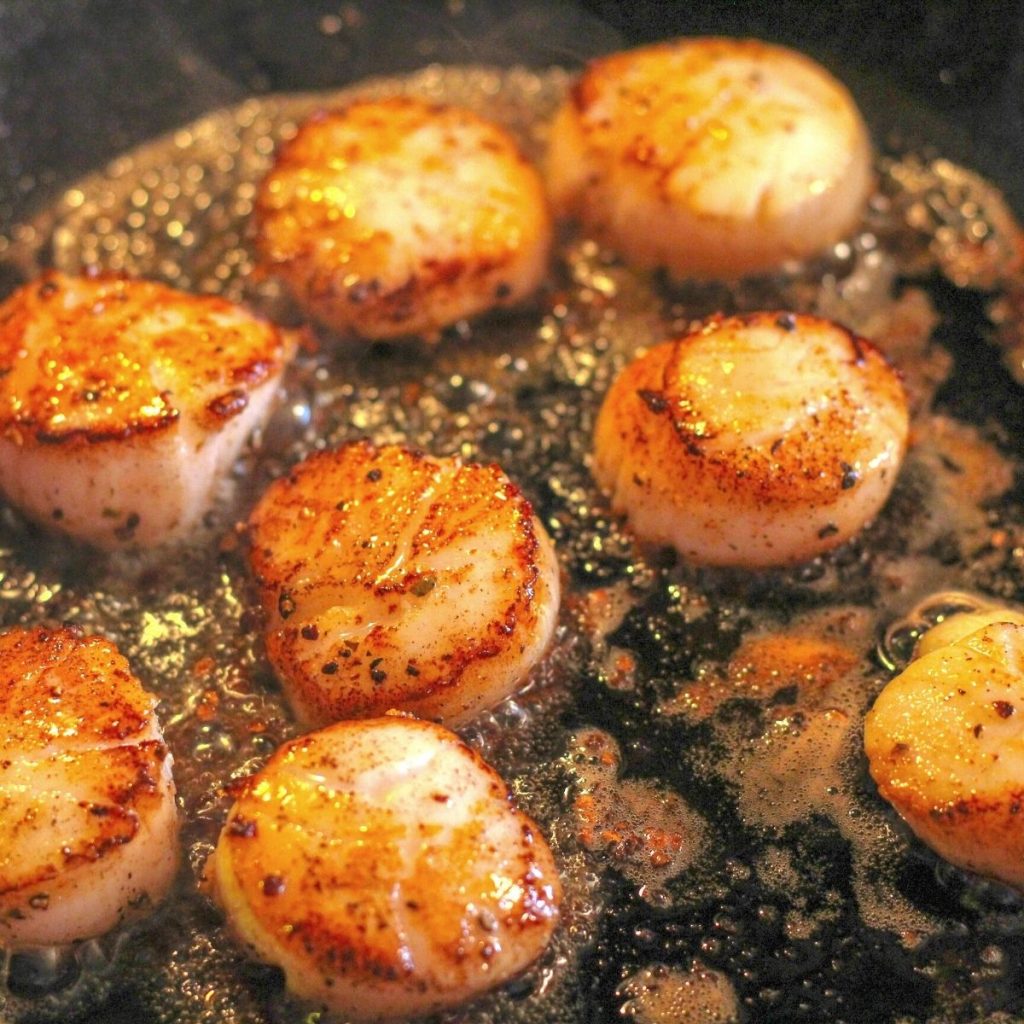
(82, 80)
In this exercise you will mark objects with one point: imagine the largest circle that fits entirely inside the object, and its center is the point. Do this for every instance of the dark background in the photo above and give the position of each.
(82, 79)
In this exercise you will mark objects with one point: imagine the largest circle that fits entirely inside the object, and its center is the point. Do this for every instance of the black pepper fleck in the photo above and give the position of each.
(654, 400)
(273, 885)
(245, 828)
(851, 476)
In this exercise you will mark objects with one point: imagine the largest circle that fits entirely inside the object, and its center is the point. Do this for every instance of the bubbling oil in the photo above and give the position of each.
(720, 843)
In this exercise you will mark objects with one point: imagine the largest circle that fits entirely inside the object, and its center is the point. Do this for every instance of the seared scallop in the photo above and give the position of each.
(712, 158)
(88, 823)
(753, 441)
(956, 627)
(383, 867)
(945, 744)
(124, 402)
(391, 579)
(396, 216)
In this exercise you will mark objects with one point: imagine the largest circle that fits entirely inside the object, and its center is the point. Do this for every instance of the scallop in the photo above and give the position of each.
(711, 158)
(88, 822)
(383, 867)
(123, 403)
(391, 579)
(757, 440)
(945, 745)
(396, 216)
(961, 624)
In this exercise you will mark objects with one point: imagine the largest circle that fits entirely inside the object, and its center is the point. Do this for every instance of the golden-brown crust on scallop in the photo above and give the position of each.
(810, 464)
(356, 897)
(710, 157)
(105, 705)
(106, 358)
(88, 823)
(945, 743)
(378, 237)
(333, 530)
(761, 439)
(95, 827)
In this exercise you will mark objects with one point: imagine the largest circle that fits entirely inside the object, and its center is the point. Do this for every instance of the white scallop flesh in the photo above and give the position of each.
(756, 440)
(381, 865)
(391, 579)
(88, 822)
(956, 627)
(396, 216)
(712, 158)
(945, 745)
(123, 404)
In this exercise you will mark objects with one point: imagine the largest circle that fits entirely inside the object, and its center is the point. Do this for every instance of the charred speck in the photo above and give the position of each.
(654, 400)
(285, 605)
(330, 667)
(411, 670)
(977, 730)
(374, 475)
(1003, 708)
(244, 828)
(503, 290)
(362, 290)
(98, 810)
(828, 530)
(377, 674)
(57, 514)
(851, 476)
(787, 321)
(310, 631)
(691, 446)
(127, 529)
(423, 586)
(273, 885)
(230, 404)
(776, 445)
